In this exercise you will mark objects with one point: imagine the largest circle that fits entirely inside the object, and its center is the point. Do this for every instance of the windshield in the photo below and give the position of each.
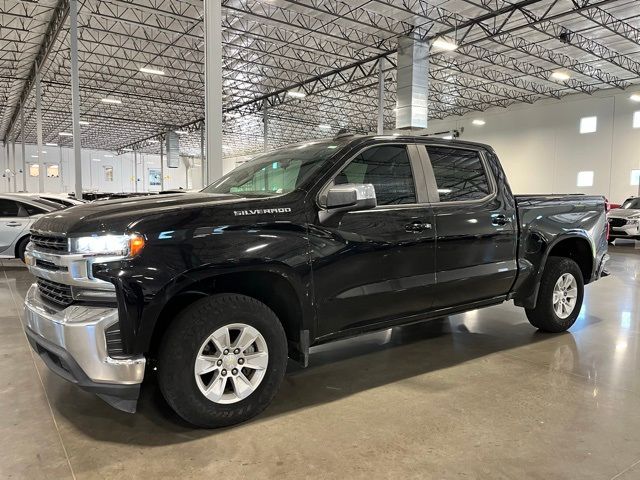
(277, 172)
(631, 203)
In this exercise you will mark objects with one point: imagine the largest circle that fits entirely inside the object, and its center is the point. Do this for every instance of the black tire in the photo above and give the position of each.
(181, 344)
(544, 316)
(22, 246)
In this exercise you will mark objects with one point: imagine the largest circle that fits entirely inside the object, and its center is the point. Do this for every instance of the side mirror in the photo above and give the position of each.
(352, 196)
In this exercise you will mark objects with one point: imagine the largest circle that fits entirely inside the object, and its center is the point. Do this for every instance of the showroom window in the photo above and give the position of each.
(635, 177)
(34, 170)
(636, 119)
(459, 173)
(388, 169)
(53, 171)
(585, 179)
(588, 124)
(8, 208)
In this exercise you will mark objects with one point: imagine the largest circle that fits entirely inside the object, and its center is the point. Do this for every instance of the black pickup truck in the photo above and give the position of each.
(300, 246)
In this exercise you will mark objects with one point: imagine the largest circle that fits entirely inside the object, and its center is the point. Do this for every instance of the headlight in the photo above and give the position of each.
(633, 221)
(117, 245)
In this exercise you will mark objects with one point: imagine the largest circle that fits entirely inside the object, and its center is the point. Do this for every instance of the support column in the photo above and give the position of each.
(24, 155)
(213, 87)
(413, 83)
(203, 164)
(41, 172)
(135, 170)
(75, 97)
(13, 164)
(381, 96)
(161, 163)
(265, 123)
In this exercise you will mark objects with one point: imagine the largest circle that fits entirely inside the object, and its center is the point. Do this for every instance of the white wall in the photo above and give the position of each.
(93, 171)
(542, 150)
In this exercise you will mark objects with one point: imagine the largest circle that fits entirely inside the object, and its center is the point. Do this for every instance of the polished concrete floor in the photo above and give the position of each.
(476, 396)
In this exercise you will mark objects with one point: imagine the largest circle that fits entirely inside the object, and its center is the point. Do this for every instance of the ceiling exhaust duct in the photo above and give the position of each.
(413, 83)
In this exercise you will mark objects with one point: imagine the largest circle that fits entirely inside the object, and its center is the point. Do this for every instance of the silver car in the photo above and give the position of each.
(624, 222)
(17, 214)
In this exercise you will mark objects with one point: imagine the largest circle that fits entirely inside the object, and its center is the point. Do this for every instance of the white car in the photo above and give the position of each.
(61, 198)
(624, 222)
(17, 214)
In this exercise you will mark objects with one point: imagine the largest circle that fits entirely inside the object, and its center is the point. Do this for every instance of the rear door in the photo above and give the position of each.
(376, 265)
(475, 221)
(13, 221)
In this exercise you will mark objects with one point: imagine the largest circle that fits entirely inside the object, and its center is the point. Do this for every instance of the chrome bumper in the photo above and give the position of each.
(72, 343)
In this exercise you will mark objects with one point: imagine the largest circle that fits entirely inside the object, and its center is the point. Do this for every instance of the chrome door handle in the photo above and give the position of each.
(500, 220)
(416, 226)
(13, 224)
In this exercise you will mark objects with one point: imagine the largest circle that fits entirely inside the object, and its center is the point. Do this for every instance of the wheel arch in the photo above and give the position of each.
(574, 245)
(273, 287)
(18, 242)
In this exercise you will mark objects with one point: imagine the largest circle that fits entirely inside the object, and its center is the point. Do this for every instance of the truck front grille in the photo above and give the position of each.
(617, 222)
(49, 242)
(55, 292)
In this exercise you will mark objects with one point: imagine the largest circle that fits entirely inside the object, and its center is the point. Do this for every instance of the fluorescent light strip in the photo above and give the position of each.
(560, 75)
(443, 43)
(114, 101)
(296, 94)
(65, 134)
(152, 71)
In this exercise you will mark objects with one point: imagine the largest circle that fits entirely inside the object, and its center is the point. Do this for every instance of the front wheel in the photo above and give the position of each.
(222, 360)
(559, 297)
(22, 247)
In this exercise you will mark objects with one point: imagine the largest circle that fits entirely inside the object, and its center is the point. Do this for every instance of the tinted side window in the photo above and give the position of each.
(388, 168)
(31, 210)
(459, 174)
(8, 208)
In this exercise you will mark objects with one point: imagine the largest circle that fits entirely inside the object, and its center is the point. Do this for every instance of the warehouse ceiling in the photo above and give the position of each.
(508, 52)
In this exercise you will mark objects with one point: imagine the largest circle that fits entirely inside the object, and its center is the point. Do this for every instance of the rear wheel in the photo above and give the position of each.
(222, 360)
(559, 297)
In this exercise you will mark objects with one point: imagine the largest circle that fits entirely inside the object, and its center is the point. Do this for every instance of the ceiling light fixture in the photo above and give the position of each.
(560, 75)
(82, 122)
(65, 134)
(34, 156)
(181, 132)
(443, 43)
(152, 71)
(479, 122)
(296, 94)
(108, 156)
(324, 126)
(51, 144)
(127, 149)
(95, 159)
(114, 101)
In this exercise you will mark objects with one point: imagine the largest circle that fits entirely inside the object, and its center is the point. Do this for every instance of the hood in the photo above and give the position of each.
(116, 216)
(624, 213)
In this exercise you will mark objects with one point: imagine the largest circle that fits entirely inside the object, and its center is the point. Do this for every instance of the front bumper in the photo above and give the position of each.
(626, 231)
(72, 343)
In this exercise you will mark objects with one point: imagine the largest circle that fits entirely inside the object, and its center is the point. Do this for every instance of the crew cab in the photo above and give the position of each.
(300, 246)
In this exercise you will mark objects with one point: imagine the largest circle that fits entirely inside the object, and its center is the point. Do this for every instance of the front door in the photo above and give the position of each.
(376, 265)
(11, 225)
(475, 221)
